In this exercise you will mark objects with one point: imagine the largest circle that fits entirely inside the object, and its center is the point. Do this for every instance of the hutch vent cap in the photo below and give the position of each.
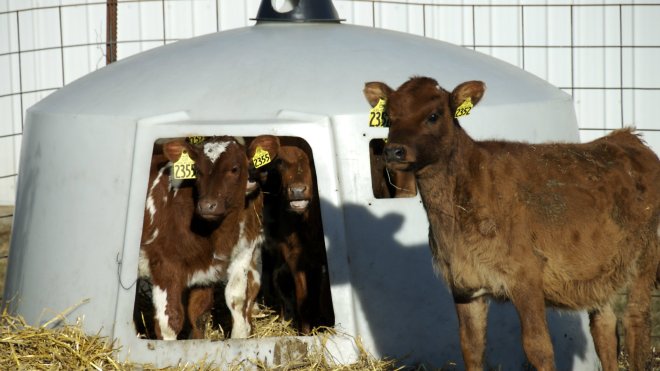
(298, 11)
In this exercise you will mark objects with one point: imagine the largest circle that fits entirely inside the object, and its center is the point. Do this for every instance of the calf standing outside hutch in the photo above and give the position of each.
(562, 225)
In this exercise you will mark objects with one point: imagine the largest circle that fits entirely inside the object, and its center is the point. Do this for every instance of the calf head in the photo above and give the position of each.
(288, 172)
(297, 180)
(221, 174)
(260, 166)
(422, 119)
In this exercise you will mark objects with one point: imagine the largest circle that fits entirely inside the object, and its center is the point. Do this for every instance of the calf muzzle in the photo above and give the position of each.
(395, 153)
(298, 192)
(299, 196)
(210, 209)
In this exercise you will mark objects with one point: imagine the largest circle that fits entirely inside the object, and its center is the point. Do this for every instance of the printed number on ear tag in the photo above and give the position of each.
(195, 139)
(464, 108)
(260, 158)
(377, 115)
(184, 168)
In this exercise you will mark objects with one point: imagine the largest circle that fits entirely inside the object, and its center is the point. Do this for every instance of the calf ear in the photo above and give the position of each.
(173, 149)
(268, 143)
(469, 89)
(374, 91)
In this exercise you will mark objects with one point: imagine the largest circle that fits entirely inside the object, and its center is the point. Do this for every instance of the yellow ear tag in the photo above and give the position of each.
(195, 139)
(184, 168)
(377, 115)
(464, 108)
(260, 158)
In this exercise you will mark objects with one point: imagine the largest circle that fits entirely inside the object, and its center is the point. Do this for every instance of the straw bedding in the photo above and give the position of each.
(67, 347)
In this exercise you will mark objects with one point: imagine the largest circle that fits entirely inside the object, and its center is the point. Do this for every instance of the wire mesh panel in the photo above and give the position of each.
(605, 55)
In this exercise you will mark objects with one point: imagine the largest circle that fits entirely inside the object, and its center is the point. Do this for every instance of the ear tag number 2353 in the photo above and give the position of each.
(184, 168)
(260, 158)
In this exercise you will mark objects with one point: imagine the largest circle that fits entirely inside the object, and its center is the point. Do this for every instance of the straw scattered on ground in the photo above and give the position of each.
(64, 348)
(67, 347)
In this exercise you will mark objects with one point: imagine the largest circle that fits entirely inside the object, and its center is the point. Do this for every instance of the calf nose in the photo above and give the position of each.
(395, 152)
(206, 207)
(297, 191)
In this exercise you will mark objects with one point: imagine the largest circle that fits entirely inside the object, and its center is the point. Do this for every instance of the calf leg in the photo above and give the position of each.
(637, 322)
(300, 278)
(530, 304)
(242, 289)
(603, 330)
(200, 302)
(292, 256)
(284, 288)
(253, 285)
(169, 314)
(472, 321)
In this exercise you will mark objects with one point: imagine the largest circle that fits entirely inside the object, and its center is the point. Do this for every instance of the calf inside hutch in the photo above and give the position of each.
(232, 232)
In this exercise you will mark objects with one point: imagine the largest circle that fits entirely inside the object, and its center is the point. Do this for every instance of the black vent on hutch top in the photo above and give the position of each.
(298, 11)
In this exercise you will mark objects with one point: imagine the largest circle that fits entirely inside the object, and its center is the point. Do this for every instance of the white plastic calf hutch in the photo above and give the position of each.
(85, 161)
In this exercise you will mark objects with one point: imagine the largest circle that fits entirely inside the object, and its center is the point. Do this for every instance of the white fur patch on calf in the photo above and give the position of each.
(143, 265)
(205, 277)
(222, 258)
(213, 150)
(480, 292)
(151, 206)
(153, 237)
(160, 304)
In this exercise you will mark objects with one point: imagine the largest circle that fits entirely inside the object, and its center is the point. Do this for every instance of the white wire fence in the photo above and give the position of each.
(604, 54)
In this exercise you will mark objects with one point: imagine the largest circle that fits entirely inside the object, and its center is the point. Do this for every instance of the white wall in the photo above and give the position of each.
(604, 53)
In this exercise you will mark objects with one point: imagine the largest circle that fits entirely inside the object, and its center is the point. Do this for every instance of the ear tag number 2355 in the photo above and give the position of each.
(377, 115)
(184, 168)
(261, 157)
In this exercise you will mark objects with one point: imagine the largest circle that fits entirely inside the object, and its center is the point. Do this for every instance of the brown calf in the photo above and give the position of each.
(388, 183)
(294, 229)
(563, 225)
(200, 232)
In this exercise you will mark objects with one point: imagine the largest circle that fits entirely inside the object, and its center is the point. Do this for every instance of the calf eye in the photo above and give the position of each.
(234, 169)
(433, 118)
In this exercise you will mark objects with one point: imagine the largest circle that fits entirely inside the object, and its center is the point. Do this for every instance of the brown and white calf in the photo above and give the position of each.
(199, 232)
(293, 222)
(562, 225)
